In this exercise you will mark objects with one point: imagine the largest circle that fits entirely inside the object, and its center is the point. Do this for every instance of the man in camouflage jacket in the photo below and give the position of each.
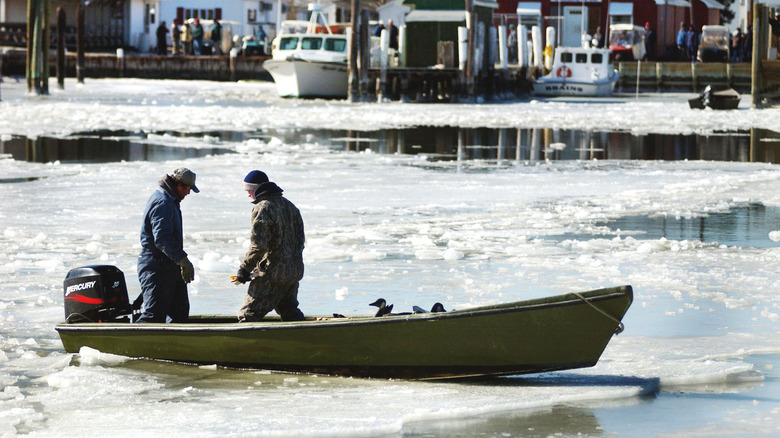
(275, 253)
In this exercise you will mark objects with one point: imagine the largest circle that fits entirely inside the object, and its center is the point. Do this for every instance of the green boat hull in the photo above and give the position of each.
(556, 333)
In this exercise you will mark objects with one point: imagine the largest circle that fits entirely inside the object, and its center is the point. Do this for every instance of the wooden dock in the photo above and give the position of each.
(684, 76)
(409, 84)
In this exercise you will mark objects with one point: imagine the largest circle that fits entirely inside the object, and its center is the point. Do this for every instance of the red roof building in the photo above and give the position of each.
(573, 18)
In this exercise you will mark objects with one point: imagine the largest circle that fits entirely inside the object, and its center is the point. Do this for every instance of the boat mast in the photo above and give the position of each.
(316, 16)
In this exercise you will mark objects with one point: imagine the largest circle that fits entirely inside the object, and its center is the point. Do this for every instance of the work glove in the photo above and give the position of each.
(242, 276)
(187, 270)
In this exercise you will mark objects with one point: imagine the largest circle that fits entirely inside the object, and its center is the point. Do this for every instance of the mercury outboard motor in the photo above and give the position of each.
(95, 294)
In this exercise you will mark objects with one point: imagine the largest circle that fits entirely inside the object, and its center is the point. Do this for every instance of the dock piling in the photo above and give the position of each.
(61, 47)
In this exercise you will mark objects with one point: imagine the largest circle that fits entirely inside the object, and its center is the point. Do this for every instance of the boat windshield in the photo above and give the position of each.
(581, 58)
(335, 45)
(288, 43)
(311, 43)
(566, 57)
(596, 58)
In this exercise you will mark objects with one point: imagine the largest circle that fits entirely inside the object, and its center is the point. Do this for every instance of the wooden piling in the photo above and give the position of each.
(470, 61)
(80, 43)
(61, 47)
(365, 55)
(760, 40)
(37, 68)
(353, 87)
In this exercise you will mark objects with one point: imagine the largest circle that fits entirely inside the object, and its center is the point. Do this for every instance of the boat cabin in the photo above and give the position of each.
(324, 46)
(576, 62)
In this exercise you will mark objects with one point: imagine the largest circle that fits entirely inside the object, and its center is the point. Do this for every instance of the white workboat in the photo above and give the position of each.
(309, 59)
(579, 71)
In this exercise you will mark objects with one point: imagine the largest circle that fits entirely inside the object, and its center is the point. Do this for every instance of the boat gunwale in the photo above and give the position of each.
(563, 300)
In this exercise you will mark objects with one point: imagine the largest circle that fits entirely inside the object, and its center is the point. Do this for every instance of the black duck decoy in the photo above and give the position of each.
(384, 309)
(437, 308)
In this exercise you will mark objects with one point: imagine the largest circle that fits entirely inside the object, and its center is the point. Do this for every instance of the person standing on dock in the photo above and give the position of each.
(186, 38)
(164, 270)
(393, 29)
(379, 28)
(511, 42)
(692, 43)
(681, 47)
(197, 37)
(162, 39)
(649, 42)
(176, 36)
(274, 262)
(598, 39)
(216, 37)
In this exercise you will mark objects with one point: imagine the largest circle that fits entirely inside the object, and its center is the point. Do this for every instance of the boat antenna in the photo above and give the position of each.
(560, 25)
(582, 22)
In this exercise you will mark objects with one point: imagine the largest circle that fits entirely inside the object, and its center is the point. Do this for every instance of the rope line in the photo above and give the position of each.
(620, 327)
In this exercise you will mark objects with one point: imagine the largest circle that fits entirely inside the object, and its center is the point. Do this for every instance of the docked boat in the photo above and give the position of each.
(309, 58)
(579, 71)
(546, 334)
(716, 99)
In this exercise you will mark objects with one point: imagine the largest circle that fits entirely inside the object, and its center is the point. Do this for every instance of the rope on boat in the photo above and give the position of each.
(620, 327)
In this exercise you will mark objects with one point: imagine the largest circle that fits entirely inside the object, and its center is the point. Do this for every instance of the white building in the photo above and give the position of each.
(133, 23)
(243, 16)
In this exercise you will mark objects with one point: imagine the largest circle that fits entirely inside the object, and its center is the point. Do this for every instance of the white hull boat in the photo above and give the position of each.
(587, 72)
(302, 78)
(309, 60)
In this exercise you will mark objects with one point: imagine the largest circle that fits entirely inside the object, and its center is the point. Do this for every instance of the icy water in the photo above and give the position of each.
(467, 204)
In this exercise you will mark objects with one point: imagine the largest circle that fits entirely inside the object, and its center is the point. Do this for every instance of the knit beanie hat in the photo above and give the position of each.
(254, 179)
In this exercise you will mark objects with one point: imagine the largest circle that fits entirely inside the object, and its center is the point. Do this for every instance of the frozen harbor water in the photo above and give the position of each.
(696, 239)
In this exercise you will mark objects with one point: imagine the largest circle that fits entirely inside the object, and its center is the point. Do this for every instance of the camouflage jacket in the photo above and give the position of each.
(277, 239)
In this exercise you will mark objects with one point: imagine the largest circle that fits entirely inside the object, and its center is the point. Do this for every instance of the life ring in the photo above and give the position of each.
(563, 72)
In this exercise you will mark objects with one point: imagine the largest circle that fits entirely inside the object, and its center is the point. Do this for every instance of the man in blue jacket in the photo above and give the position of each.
(163, 267)
(682, 35)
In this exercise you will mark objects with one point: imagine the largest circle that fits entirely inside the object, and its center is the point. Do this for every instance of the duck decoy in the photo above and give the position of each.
(418, 309)
(384, 309)
(437, 308)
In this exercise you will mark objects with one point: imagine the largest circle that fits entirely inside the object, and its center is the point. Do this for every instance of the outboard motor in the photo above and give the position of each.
(95, 294)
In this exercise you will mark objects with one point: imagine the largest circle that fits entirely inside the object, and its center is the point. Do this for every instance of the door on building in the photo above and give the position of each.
(148, 39)
(574, 19)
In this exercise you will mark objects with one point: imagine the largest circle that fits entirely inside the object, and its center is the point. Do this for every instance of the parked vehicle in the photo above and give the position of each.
(627, 42)
(714, 46)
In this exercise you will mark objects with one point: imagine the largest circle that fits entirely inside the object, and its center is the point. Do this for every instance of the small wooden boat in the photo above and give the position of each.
(546, 334)
(719, 100)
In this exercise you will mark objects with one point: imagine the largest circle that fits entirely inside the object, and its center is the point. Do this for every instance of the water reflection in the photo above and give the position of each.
(540, 144)
(498, 145)
(97, 149)
(747, 226)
